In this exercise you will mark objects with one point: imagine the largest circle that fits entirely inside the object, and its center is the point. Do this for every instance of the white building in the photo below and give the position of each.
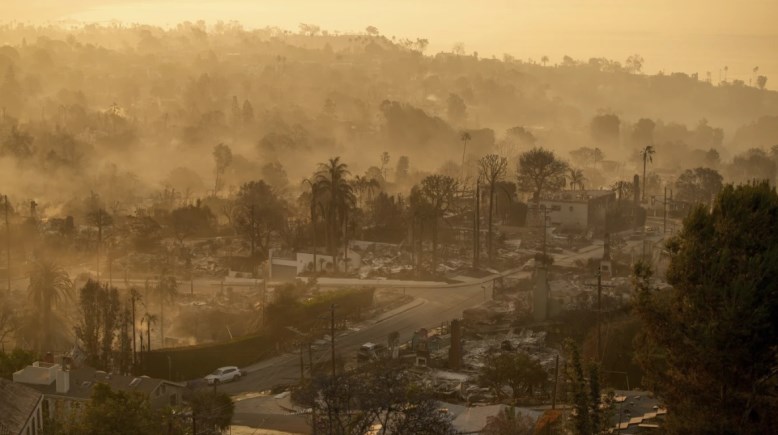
(578, 210)
(289, 267)
(66, 390)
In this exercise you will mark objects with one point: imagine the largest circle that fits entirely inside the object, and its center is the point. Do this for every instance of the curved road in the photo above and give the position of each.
(430, 308)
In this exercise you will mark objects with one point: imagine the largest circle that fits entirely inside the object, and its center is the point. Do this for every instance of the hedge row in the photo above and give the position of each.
(192, 362)
(197, 361)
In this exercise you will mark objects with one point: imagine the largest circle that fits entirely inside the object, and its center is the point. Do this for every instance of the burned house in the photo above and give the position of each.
(578, 210)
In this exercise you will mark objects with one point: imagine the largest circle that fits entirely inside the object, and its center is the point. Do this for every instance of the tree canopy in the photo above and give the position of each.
(539, 171)
(115, 412)
(699, 185)
(714, 334)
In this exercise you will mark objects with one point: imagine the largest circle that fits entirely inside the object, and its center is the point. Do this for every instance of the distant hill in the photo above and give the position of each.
(143, 98)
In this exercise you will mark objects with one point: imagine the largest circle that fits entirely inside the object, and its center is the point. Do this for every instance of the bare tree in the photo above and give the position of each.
(647, 154)
(438, 192)
(222, 156)
(492, 169)
(384, 162)
(8, 321)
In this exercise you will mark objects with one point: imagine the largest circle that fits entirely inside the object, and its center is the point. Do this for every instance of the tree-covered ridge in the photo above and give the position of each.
(116, 105)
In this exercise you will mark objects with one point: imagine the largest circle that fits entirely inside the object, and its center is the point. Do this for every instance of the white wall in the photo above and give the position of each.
(567, 214)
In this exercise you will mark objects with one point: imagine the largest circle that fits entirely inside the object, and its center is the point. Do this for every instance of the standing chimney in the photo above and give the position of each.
(63, 381)
(455, 351)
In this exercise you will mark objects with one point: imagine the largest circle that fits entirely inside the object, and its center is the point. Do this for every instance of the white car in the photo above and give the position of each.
(223, 374)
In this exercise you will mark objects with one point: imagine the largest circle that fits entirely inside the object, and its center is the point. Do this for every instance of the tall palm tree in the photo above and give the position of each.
(544, 60)
(577, 178)
(371, 185)
(338, 195)
(49, 284)
(362, 185)
(648, 156)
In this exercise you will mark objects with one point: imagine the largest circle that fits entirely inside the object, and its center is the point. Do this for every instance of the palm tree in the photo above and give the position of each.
(577, 178)
(364, 185)
(338, 195)
(49, 283)
(167, 290)
(647, 153)
(544, 60)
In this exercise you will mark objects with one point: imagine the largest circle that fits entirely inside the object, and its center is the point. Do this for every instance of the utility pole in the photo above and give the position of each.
(302, 364)
(332, 338)
(99, 238)
(664, 229)
(134, 295)
(556, 380)
(345, 242)
(545, 220)
(310, 358)
(599, 312)
(264, 290)
(253, 239)
(7, 246)
(477, 227)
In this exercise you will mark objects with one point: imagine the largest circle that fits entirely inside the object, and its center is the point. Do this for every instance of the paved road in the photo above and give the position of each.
(430, 308)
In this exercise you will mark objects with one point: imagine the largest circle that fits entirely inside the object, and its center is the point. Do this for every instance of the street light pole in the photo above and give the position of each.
(545, 218)
(599, 285)
(599, 315)
(664, 230)
(332, 337)
(302, 364)
(7, 246)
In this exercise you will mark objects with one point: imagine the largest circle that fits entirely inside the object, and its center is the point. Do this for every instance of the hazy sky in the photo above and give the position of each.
(672, 35)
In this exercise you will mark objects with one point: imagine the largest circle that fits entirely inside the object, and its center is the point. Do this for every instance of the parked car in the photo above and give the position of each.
(224, 374)
(371, 352)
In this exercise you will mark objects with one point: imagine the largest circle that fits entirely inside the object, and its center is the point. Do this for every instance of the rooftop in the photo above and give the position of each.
(84, 378)
(17, 403)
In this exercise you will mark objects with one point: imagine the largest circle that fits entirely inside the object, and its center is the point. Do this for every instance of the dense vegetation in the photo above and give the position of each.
(713, 334)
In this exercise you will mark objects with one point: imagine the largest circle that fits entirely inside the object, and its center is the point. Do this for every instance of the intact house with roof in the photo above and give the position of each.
(66, 390)
(578, 210)
(21, 411)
